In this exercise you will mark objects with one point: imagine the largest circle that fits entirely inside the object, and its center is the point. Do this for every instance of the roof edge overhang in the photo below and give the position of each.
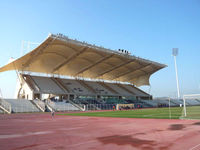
(101, 48)
(21, 63)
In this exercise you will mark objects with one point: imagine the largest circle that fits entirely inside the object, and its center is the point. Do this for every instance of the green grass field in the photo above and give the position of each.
(193, 112)
(156, 113)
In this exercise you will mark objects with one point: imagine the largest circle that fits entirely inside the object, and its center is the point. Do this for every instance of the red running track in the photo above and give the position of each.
(41, 132)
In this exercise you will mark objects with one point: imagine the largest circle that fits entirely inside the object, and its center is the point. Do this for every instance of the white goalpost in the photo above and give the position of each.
(170, 116)
(191, 97)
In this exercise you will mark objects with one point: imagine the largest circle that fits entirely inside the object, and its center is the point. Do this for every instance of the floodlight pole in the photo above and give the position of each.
(177, 80)
(175, 53)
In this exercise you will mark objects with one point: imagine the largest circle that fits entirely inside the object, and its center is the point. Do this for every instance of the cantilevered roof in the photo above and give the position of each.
(60, 55)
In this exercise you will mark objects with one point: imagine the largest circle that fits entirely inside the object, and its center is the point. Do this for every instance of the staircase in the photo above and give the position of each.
(5, 106)
(39, 104)
(50, 105)
(80, 106)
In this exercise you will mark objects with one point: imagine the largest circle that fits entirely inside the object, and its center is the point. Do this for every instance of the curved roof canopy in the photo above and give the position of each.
(60, 55)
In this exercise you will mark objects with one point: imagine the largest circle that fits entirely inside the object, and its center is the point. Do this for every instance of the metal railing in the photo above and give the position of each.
(40, 104)
(21, 107)
(76, 103)
(63, 106)
(50, 105)
(99, 107)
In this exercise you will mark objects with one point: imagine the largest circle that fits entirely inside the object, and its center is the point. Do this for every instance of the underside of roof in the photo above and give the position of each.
(61, 55)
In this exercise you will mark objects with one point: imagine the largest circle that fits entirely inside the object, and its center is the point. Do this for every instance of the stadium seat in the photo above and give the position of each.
(22, 105)
(75, 87)
(63, 106)
(99, 88)
(47, 85)
(119, 90)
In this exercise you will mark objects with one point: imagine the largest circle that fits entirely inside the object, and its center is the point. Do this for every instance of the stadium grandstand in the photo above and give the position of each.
(62, 74)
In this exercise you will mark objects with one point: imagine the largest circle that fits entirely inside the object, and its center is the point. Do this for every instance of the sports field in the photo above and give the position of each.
(153, 113)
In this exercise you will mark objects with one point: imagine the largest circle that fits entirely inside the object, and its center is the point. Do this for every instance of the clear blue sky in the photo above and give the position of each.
(147, 28)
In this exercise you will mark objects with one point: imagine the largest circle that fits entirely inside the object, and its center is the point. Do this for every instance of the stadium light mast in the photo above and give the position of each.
(175, 53)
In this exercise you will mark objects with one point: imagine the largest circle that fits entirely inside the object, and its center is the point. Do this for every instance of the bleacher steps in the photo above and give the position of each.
(58, 82)
(148, 104)
(131, 92)
(87, 86)
(76, 105)
(97, 108)
(37, 105)
(138, 89)
(108, 88)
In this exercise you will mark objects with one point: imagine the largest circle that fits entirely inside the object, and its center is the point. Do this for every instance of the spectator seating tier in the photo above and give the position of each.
(47, 85)
(75, 87)
(119, 90)
(135, 90)
(22, 105)
(99, 89)
(63, 106)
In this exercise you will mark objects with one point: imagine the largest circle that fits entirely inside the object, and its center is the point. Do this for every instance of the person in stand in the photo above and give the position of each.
(113, 107)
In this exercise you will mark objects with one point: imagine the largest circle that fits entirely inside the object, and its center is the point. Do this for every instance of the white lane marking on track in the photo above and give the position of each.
(66, 129)
(197, 146)
(22, 135)
(34, 133)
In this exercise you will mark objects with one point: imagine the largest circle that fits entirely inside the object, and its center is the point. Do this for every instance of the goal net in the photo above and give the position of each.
(191, 106)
